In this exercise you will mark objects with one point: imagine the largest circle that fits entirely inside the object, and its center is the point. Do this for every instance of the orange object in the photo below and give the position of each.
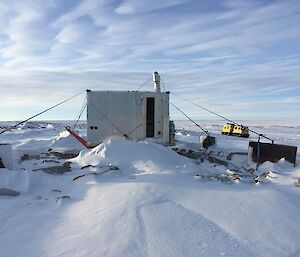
(78, 138)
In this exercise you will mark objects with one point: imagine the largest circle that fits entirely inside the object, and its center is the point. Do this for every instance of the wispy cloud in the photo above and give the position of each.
(136, 6)
(228, 55)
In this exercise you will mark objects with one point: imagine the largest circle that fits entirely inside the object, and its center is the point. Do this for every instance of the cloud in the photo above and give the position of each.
(136, 6)
(225, 53)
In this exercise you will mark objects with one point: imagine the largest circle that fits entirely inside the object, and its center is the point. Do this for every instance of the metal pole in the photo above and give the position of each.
(258, 152)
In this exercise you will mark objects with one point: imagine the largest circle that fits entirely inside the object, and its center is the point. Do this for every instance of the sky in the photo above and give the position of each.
(239, 58)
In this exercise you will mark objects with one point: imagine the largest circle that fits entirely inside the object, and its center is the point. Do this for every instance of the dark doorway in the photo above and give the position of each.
(150, 117)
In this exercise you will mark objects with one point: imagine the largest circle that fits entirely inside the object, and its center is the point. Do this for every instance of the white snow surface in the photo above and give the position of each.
(65, 142)
(135, 157)
(152, 205)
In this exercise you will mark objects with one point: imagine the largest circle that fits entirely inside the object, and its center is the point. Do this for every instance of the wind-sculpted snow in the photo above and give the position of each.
(142, 199)
(137, 157)
(169, 224)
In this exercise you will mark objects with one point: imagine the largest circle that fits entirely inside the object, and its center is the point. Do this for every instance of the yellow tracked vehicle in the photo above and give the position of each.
(235, 130)
(227, 129)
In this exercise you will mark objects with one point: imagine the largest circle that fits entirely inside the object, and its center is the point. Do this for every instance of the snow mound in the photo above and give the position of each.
(134, 156)
(49, 126)
(64, 141)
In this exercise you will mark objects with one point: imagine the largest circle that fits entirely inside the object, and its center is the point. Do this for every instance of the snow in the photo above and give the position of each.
(153, 204)
(65, 142)
(134, 157)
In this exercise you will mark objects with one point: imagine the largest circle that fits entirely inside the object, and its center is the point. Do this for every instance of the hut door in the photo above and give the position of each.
(150, 117)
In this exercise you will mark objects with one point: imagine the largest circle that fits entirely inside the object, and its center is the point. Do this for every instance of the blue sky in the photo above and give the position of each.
(239, 58)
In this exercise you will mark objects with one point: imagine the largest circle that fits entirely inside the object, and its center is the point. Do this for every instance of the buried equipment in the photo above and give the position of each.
(207, 141)
(260, 152)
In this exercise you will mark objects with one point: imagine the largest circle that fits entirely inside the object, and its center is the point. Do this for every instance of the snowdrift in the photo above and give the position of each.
(133, 156)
